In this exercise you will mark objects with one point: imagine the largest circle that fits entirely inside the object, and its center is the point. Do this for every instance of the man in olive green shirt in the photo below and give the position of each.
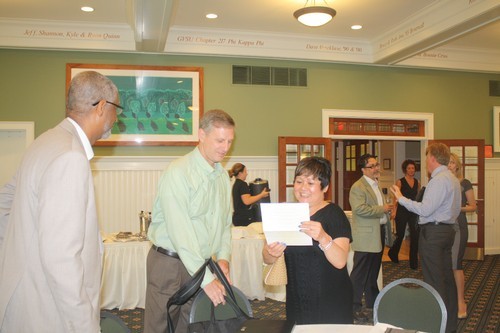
(191, 223)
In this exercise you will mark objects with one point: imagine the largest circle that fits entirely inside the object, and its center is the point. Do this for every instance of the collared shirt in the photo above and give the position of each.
(83, 138)
(378, 194)
(442, 199)
(191, 212)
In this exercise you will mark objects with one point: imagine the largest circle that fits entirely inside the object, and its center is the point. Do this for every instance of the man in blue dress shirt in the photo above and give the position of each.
(438, 212)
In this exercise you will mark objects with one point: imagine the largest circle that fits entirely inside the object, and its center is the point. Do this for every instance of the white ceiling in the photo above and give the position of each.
(450, 34)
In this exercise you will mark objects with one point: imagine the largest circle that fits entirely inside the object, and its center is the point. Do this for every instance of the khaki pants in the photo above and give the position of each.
(165, 275)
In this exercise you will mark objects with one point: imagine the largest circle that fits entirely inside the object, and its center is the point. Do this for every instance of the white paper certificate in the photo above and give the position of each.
(280, 222)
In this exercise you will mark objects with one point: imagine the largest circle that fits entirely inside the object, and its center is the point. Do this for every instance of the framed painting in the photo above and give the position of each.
(162, 105)
(387, 164)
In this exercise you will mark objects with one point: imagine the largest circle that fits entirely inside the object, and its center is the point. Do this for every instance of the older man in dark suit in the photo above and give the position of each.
(371, 224)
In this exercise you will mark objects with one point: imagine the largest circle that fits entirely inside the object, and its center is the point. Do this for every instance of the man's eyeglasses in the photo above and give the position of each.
(377, 165)
(119, 107)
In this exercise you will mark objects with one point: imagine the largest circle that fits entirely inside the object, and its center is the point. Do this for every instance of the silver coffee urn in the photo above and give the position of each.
(144, 222)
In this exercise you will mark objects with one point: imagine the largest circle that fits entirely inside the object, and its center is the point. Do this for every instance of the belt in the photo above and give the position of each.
(434, 223)
(165, 252)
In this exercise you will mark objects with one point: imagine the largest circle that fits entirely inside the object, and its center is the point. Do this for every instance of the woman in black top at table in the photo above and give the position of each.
(242, 199)
(319, 290)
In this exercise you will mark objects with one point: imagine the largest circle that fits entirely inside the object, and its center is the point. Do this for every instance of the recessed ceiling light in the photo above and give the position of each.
(356, 27)
(211, 16)
(87, 9)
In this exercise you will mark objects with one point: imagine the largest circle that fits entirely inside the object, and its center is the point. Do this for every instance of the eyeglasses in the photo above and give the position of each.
(114, 104)
(377, 165)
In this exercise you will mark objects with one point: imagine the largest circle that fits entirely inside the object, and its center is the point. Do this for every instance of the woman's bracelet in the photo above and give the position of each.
(327, 246)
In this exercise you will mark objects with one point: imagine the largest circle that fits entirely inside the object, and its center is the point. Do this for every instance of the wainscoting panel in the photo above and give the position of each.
(126, 185)
(121, 195)
(491, 206)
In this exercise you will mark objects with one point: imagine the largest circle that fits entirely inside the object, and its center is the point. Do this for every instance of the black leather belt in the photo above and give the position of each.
(434, 223)
(166, 252)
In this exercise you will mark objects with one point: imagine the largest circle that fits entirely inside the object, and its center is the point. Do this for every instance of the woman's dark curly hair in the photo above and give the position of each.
(405, 164)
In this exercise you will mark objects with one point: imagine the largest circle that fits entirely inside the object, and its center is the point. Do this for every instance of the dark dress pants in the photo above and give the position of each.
(414, 235)
(401, 223)
(400, 235)
(435, 245)
(364, 275)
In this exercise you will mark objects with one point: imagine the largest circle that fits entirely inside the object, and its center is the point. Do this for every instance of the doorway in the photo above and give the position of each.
(345, 168)
(390, 155)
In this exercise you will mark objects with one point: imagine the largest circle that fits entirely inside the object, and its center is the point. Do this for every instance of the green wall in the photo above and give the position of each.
(32, 88)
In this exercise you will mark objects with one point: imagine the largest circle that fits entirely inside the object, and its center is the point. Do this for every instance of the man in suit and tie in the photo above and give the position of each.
(371, 225)
(50, 246)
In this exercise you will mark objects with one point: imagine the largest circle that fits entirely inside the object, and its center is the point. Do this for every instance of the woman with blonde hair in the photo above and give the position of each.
(462, 232)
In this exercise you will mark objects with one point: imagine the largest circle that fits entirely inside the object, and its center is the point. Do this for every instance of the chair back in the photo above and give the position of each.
(411, 307)
(111, 323)
(200, 310)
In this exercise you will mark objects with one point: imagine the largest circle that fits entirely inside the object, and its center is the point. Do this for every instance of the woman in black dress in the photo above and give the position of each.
(409, 186)
(242, 199)
(319, 290)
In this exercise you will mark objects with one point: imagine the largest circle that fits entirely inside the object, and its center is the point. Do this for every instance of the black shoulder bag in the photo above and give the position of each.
(241, 323)
(190, 288)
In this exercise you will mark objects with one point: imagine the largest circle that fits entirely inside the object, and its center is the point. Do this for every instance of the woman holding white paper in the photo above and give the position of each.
(319, 290)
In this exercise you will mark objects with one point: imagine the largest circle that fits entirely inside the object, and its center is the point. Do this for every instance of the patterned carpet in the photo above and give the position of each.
(482, 294)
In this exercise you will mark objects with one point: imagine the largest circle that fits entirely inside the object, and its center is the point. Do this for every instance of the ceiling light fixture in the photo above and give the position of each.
(87, 9)
(314, 16)
(211, 16)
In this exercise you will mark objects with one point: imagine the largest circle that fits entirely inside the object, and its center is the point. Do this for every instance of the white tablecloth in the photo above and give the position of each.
(124, 275)
(329, 328)
(246, 267)
(332, 328)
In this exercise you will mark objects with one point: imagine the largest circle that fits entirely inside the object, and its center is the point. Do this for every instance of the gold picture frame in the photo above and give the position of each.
(162, 104)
